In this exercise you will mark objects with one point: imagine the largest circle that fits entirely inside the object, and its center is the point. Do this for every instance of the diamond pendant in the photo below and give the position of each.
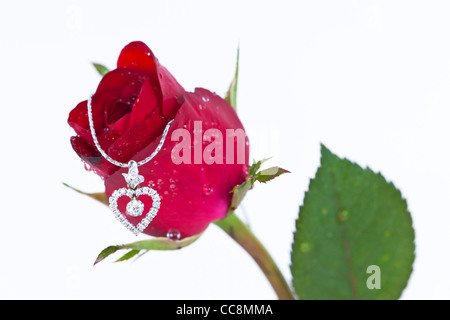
(135, 207)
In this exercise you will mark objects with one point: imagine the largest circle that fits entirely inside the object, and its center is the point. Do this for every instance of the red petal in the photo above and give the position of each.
(145, 104)
(78, 118)
(83, 149)
(119, 78)
(137, 138)
(138, 56)
(172, 93)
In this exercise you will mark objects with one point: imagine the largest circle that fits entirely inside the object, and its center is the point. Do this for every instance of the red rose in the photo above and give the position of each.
(131, 108)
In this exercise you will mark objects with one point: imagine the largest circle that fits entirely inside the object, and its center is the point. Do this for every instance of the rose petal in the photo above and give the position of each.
(136, 138)
(116, 110)
(122, 125)
(145, 104)
(118, 78)
(172, 92)
(138, 56)
(78, 118)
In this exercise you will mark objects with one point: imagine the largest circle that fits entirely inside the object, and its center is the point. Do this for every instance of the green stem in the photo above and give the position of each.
(237, 230)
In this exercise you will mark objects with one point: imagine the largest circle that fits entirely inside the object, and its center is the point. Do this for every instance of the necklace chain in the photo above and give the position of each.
(117, 163)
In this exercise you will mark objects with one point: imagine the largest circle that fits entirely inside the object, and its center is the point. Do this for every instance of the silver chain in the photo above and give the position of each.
(117, 163)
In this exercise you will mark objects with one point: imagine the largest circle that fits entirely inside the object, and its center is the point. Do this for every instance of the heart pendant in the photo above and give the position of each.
(135, 207)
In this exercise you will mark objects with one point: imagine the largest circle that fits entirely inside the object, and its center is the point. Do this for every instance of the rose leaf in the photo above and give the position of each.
(354, 237)
(146, 245)
(99, 196)
(231, 96)
(101, 69)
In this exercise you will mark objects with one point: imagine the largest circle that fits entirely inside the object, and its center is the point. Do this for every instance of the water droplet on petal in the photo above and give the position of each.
(202, 106)
(134, 63)
(173, 187)
(173, 234)
(207, 189)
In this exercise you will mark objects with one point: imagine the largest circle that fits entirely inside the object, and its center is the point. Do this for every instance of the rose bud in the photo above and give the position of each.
(203, 157)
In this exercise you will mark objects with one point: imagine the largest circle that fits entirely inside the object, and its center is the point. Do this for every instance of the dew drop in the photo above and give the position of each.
(134, 63)
(173, 234)
(87, 167)
(207, 189)
(202, 106)
(151, 184)
(343, 215)
(305, 247)
(173, 187)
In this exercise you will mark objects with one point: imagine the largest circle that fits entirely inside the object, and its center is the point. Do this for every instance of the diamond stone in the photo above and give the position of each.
(135, 208)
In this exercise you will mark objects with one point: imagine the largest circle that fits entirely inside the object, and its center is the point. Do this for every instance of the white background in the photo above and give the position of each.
(369, 79)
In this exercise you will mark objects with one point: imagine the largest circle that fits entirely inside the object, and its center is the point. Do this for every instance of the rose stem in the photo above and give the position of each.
(237, 230)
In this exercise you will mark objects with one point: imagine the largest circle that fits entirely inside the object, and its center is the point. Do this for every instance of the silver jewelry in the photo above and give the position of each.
(135, 207)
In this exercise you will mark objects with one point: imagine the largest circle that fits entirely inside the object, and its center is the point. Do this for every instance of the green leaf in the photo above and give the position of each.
(239, 193)
(130, 254)
(101, 69)
(254, 174)
(146, 245)
(270, 174)
(99, 196)
(106, 252)
(255, 167)
(231, 96)
(351, 219)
